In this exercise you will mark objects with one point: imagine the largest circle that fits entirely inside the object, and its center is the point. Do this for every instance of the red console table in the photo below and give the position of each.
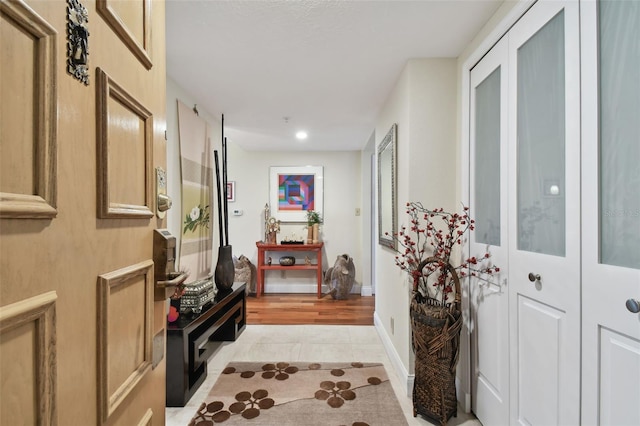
(263, 266)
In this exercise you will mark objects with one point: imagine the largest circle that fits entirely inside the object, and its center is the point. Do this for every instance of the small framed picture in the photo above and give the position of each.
(231, 191)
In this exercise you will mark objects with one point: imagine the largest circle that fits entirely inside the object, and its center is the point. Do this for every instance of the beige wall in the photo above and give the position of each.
(392, 291)
(341, 228)
(423, 104)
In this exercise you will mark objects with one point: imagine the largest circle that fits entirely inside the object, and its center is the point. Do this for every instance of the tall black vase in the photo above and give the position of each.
(225, 271)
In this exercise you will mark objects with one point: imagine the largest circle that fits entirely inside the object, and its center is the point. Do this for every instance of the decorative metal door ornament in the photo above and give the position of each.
(78, 41)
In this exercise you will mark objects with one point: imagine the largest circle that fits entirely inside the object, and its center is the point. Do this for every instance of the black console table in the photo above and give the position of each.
(193, 338)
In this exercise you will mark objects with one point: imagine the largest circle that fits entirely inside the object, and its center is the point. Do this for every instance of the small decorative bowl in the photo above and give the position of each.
(287, 260)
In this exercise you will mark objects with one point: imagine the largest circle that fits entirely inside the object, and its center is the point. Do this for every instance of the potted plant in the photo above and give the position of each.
(313, 226)
(424, 251)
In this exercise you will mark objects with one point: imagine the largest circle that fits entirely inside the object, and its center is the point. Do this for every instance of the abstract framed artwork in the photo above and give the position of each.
(294, 190)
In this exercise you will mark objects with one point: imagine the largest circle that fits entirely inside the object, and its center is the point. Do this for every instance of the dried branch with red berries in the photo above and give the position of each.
(425, 249)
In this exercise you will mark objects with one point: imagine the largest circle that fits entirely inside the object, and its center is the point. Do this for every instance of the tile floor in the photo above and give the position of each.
(304, 343)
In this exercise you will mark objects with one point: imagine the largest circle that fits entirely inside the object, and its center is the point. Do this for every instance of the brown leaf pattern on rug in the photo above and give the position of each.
(280, 371)
(244, 374)
(335, 393)
(297, 393)
(249, 404)
(210, 414)
(374, 380)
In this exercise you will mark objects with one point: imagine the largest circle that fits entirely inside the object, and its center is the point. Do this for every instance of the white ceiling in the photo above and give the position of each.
(328, 65)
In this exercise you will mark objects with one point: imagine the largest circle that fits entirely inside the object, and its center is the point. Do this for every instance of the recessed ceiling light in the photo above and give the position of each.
(301, 135)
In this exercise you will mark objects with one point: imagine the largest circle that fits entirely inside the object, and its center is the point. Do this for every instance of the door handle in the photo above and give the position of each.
(633, 305)
(164, 202)
(534, 277)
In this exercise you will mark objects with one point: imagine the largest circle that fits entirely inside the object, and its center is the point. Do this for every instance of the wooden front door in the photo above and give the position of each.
(81, 330)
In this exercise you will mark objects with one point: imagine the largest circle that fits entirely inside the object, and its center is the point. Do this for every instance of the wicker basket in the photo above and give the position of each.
(436, 337)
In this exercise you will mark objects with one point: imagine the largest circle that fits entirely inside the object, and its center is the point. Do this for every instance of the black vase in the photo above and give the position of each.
(225, 271)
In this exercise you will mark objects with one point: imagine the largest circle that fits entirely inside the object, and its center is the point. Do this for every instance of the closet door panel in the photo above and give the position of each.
(611, 212)
(489, 302)
(544, 213)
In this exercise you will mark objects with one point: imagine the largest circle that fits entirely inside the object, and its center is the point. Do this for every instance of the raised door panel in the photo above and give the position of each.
(618, 379)
(131, 21)
(125, 152)
(28, 140)
(125, 333)
(28, 367)
(540, 355)
(16, 106)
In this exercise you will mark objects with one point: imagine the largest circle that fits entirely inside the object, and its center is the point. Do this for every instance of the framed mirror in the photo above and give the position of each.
(387, 189)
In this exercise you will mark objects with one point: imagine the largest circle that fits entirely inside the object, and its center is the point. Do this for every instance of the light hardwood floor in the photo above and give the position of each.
(291, 309)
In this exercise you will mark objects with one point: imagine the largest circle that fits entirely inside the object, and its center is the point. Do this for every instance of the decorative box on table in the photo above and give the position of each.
(196, 295)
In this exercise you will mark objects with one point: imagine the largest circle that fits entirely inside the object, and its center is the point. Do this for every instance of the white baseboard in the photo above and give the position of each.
(464, 398)
(467, 402)
(366, 291)
(397, 364)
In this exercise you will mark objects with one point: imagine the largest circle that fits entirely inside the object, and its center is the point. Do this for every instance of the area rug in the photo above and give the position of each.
(299, 393)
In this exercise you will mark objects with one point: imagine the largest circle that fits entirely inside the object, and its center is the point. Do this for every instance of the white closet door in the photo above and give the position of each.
(489, 302)
(544, 215)
(611, 212)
